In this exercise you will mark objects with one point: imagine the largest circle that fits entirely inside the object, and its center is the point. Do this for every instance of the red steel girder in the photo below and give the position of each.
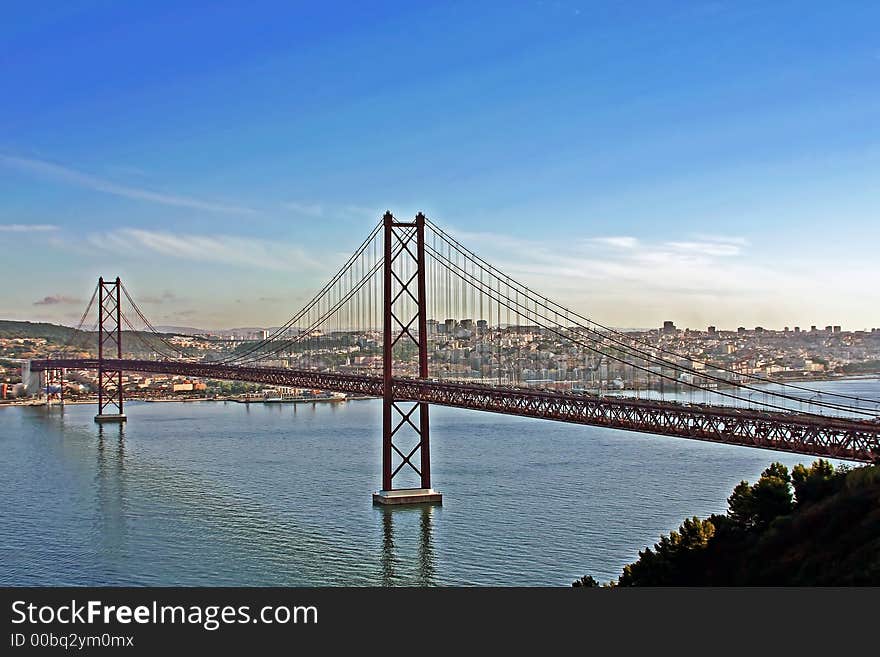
(830, 437)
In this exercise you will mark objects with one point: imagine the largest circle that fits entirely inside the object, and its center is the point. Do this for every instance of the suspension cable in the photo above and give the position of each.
(549, 304)
(511, 305)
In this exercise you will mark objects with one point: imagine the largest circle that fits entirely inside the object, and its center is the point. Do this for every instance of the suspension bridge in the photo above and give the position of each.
(415, 318)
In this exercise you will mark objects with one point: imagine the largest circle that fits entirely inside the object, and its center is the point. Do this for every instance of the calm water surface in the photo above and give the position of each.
(234, 494)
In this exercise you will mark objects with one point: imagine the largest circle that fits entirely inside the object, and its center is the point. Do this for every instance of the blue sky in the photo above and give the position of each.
(706, 162)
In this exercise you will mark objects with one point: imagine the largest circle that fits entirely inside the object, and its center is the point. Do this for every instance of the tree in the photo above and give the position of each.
(587, 581)
(778, 471)
(674, 557)
(758, 505)
(828, 538)
(815, 482)
(740, 505)
(772, 498)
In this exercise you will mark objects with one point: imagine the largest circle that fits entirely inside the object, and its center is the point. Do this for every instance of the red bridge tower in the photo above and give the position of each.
(405, 319)
(109, 342)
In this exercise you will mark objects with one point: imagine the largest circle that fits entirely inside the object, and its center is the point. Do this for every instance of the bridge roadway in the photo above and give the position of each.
(821, 436)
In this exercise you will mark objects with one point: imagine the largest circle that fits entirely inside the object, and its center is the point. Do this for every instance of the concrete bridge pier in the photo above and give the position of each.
(101, 418)
(407, 496)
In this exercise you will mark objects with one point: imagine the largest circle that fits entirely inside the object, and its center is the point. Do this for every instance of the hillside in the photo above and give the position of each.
(134, 342)
(815, 526)
(51, 332)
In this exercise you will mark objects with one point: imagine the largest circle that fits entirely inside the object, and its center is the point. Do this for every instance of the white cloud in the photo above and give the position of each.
(705, 248)
(27, 228)
(223, 249)
(724, 239)
(616, 242)
(74, 177)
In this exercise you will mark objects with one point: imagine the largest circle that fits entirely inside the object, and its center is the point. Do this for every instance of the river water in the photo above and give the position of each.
(214, 493)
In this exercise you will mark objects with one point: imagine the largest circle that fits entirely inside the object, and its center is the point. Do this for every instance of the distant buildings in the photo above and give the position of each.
(469, 349)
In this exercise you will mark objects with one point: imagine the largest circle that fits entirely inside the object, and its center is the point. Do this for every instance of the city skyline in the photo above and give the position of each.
(636, 164)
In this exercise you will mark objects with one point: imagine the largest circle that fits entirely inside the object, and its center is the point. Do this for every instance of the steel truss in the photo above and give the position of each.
(109, 345)
(856, 440)
(404, 318)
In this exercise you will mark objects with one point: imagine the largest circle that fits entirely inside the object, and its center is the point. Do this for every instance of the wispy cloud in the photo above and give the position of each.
(712, 245)
(616, 242)
(330, 210)
(629, 281)
(27, 228)
(308, 209)
(72, 176)
(705, 248)
(723, 239)
(223, 249)
(56, 299)
(166, 296)
(363, 211)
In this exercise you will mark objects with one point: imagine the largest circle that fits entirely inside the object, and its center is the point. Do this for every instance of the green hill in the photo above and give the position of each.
(816, 526)
(134, 342)
(50, 332)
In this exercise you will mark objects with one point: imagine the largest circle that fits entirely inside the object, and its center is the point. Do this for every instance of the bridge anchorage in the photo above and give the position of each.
(455, 331)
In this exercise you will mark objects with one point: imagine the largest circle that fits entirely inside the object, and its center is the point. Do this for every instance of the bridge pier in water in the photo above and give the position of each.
(404, 305)
(109, 338)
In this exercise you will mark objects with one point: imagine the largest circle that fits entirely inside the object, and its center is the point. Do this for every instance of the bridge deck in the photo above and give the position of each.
(835, 437)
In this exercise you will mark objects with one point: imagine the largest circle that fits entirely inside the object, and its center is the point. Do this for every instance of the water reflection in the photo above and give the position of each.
(396, 569)
(111, 520)
(427, 569)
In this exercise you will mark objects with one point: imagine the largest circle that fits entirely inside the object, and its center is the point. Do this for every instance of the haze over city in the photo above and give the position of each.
(727, 178)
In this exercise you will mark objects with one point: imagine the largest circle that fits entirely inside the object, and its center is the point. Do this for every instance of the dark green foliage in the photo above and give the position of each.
(740, 505)
(673, 558)
(760, 504)
(829, 536)
(814, 483)
(586, 581)
(860, 367)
